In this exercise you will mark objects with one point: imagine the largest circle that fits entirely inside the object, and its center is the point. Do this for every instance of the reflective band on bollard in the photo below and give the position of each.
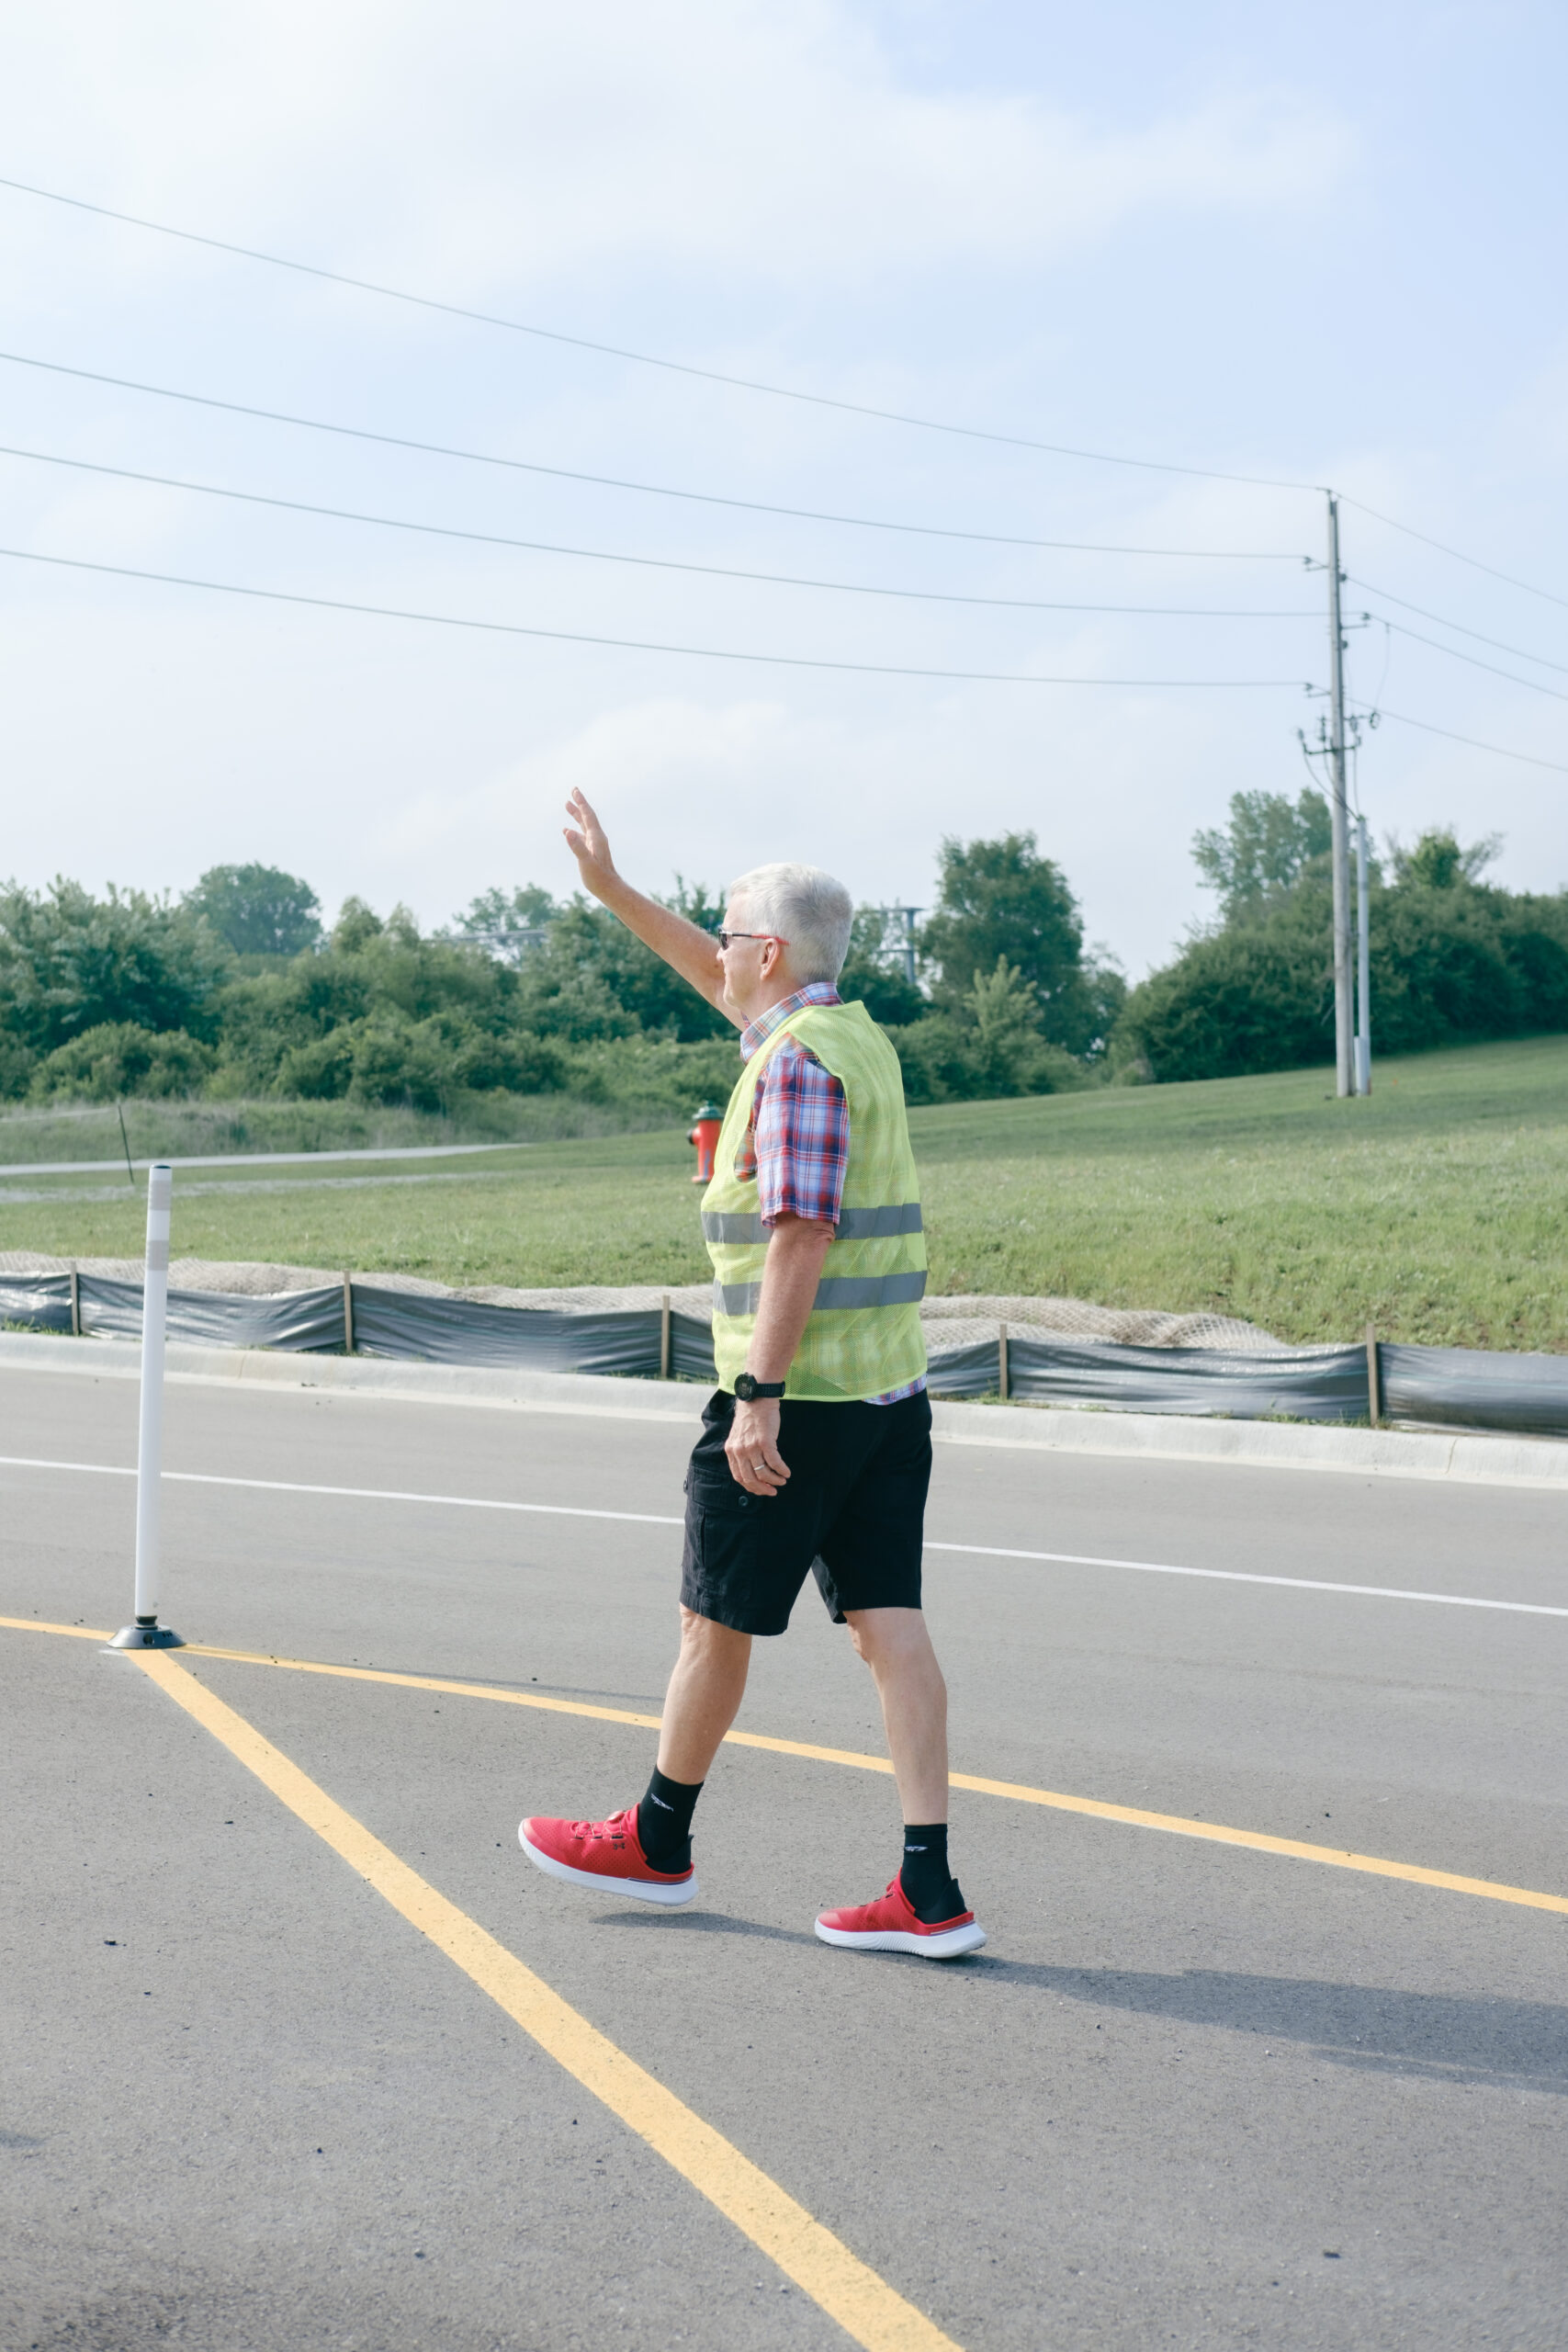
(146, 1634)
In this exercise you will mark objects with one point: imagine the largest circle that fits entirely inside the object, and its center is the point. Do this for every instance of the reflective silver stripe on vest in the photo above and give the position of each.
(854, 1225)
(832, 1291)
(742, 1224)
(874, 1225)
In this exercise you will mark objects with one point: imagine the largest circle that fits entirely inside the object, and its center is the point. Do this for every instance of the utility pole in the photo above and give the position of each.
(1344, 1050)
(1363, 967)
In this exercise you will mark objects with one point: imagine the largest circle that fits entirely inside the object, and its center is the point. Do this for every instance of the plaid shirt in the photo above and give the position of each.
(797, 1146)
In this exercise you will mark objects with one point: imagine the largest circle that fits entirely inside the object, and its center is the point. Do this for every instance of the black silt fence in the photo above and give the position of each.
(1308, 1383)
(1465, 1387)
(1474, 1389)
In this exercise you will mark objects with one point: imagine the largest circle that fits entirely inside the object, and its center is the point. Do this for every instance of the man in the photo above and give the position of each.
(815, 1454)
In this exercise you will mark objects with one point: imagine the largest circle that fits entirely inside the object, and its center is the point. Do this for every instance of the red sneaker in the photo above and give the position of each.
(604, 1854)
(891, 1925)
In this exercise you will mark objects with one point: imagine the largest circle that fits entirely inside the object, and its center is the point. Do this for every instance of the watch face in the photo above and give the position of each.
(745, 1387)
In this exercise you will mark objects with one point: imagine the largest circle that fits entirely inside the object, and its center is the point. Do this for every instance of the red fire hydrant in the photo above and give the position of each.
(704, 1134)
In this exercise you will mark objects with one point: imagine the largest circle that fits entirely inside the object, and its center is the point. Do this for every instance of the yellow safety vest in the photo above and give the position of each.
(864, 1336)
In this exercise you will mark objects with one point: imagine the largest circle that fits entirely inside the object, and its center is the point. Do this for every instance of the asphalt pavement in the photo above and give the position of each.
(1192, 2093)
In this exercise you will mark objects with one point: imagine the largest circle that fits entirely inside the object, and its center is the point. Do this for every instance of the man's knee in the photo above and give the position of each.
(883, 1636)
(704, 1637)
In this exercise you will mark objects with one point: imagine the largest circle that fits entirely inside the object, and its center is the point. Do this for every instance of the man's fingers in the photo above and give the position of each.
(760, 1474)
(580, 806)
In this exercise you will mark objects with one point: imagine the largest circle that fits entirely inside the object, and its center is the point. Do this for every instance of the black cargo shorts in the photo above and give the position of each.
(852, 1514)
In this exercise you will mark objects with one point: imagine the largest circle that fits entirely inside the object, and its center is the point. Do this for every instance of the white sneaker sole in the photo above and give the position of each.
(640, 1890)
(951, 1946)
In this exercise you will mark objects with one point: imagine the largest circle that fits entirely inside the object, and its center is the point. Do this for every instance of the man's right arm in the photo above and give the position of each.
(692, 953)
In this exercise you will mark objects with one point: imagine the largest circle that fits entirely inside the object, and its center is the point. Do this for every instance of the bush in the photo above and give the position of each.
(16, 1067)
(995, 1046)
(1253, 998)
(70, 963)
(119, 1058)
(1451, 960)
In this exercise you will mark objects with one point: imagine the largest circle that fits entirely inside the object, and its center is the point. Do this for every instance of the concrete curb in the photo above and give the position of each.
(1468, 1458)
(415, 1383)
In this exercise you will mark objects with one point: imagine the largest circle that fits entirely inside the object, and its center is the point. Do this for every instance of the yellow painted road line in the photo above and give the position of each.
(1175, 1825)
(1216, 1833)
(1257, 1842)
(38, 1625)
(865, 2305)
(428, 1682)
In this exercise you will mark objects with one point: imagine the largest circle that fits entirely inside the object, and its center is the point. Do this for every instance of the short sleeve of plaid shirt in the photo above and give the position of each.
(798, 1146)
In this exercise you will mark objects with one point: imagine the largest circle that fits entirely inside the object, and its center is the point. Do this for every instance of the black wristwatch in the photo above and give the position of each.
(747, 1389)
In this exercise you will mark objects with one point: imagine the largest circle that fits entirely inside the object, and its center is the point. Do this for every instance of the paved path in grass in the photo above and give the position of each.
(302, 2051)
(110, 1166)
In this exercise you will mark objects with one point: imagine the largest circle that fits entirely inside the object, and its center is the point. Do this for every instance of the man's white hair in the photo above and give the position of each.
(806, 906)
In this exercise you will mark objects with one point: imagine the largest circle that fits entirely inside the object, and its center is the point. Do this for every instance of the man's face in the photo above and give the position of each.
(749, 965)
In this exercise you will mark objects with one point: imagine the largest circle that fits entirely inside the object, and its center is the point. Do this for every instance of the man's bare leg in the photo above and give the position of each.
(704, 1698)
(896, 1645)
(923, 1911)
(655, 1864)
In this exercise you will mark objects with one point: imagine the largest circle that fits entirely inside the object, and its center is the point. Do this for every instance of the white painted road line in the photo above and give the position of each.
(657, 1518)
(1243, 1576)
(355, 1494)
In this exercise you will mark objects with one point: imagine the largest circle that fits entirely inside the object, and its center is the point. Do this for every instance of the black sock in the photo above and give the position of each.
(664, 1822)
(929, 1888)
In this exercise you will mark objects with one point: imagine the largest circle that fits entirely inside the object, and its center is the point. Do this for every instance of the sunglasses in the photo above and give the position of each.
(725, 937)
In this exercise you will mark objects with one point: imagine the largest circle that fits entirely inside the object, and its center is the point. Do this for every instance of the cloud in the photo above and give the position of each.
(492, 147)
(648, 758)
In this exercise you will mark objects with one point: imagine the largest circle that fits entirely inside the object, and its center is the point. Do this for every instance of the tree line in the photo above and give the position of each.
(238, 990)
(1454, 958)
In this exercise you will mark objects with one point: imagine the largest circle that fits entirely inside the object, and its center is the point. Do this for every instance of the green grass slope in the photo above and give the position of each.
(1435, 1209)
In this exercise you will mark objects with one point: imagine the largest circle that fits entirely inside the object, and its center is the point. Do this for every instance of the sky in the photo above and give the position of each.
(1303, 247)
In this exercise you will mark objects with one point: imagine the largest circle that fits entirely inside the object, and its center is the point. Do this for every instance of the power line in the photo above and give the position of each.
(628, 644)
(643, 359)
(1476, 565)
(1520, 653)
(613, 481)
(1475, 660)
(776, 391)
(654, 562)
(1558, 767)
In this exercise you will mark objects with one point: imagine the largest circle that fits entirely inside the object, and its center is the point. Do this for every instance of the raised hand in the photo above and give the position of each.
(585, 839)
(692, 953)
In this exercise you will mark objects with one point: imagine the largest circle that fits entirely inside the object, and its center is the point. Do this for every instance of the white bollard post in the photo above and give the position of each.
(146, 1634)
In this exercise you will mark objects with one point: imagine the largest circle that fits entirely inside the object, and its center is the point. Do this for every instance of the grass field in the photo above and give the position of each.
(177, 1130)
(1437, 1209)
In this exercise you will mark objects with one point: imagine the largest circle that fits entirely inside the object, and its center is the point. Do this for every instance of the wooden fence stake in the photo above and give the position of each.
(1002, 1362)
(75, 1303)
(664, 1337)
(348, 1315)
(1374, 1385)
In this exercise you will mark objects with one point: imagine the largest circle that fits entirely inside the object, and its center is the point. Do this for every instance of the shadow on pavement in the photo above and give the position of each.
(705, 1923)
(1506, 2044)
(1443, 2036)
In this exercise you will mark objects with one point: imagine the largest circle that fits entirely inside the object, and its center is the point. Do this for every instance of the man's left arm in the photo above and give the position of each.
(802, 1136)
